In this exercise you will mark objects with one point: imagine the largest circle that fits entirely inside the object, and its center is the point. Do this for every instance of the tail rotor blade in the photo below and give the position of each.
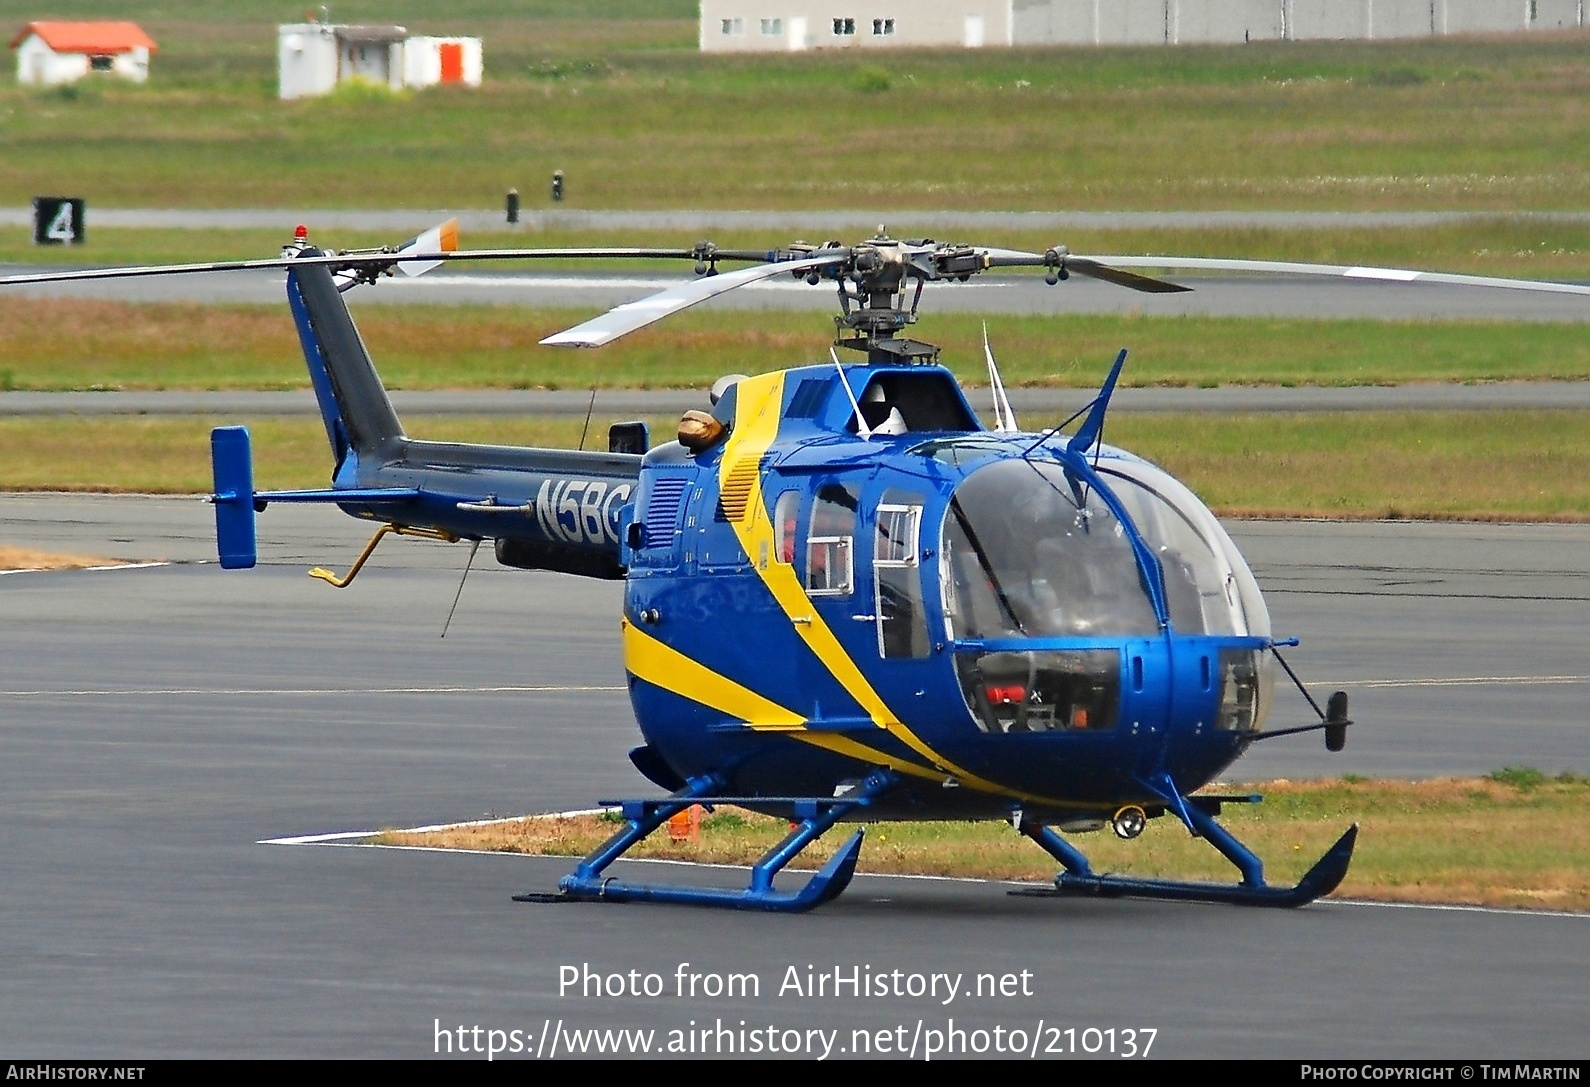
(439, 239)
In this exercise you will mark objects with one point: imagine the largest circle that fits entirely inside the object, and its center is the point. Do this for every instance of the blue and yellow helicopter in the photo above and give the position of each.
(847, 599)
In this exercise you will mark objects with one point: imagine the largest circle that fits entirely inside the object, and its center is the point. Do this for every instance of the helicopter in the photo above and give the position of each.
(847, 598)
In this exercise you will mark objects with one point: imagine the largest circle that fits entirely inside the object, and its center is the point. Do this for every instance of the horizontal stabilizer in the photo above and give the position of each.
(351, 494)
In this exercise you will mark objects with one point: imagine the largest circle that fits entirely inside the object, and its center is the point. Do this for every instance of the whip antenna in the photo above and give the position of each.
(474, 547)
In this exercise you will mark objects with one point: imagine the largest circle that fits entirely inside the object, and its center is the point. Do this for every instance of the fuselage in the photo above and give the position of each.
(1003, 623)
(844, 570)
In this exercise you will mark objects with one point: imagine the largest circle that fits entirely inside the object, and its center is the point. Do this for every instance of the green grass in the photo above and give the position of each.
(1515, 466)
(75, 344)
(637, 118)
(1532, 466)
(1482, 841)
(149, 454)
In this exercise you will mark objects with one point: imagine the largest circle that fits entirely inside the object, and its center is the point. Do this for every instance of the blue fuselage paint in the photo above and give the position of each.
(693, 588)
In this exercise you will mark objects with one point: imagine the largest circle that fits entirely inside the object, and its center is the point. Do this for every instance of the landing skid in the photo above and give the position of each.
(1078, 877)
(813, 816)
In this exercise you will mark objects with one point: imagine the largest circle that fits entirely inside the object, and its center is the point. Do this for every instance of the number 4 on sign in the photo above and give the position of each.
(63, 228)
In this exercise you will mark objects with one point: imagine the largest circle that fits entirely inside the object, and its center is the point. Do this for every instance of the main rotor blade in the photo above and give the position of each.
(348, 260)
(630, 316)
(1339, 271)
(1094, 269)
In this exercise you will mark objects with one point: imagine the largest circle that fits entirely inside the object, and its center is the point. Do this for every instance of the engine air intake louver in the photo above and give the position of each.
(662, 511)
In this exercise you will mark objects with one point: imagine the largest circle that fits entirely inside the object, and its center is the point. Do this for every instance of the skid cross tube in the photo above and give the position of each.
(1078, 877)
(812, 817)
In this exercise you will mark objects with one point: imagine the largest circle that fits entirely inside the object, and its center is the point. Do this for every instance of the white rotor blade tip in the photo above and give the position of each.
(439, 239)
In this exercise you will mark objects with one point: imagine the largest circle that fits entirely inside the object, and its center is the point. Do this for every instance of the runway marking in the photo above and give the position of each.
(1507, 597)
(1449, 908)
(86, 569)
(130, 692)
(349, 840)
(1460, 681)
(345, 835)
(339, 840)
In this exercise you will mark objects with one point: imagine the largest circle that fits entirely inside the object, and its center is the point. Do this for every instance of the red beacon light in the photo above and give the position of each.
(301, 234)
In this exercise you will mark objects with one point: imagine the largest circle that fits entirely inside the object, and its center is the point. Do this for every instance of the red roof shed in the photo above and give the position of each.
(98, 39)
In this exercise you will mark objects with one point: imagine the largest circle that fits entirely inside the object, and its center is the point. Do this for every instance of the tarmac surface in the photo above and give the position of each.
(157, 723)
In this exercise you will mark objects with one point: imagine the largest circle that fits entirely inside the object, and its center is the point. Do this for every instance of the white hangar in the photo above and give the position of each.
(737, 26)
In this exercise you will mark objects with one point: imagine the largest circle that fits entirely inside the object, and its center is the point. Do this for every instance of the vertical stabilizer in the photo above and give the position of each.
(233, 462)
(354, 404)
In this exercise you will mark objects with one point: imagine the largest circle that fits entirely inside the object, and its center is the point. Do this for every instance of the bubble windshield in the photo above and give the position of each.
(1208, 587)
(1028, 552)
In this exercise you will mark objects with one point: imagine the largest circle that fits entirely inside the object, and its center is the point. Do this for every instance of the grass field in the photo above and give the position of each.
(637, 118)
(1523, 466)
(61, 345)
(1515, 838)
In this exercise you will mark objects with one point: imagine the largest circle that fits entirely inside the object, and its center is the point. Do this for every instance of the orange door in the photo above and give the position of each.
(452, 62)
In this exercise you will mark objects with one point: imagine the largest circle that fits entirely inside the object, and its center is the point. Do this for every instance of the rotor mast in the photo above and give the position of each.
(880, 289)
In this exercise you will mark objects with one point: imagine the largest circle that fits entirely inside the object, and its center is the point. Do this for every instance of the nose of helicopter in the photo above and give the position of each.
(1216, 695)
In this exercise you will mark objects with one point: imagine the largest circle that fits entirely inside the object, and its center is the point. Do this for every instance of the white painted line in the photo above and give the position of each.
(85, 569)
(319, 839)
(1449, 681)
(437, 828)
(1468, 681)
(1396, 275)
(346, 835)
(130, 692)
(1509, 911)
(353, 839)
(340, 840)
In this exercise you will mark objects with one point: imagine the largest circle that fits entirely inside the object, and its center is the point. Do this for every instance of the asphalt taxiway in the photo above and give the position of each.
(157, 723)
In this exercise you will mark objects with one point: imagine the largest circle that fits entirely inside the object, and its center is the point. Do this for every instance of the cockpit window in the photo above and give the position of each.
(1029, 552)
(902, 612)
(785, 512)
(1208, 587)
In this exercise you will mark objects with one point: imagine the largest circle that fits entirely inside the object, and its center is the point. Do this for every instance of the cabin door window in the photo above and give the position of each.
(830, 543)
(901, 612)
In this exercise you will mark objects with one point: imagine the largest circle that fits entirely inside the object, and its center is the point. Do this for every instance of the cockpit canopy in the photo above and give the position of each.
(1030, 551)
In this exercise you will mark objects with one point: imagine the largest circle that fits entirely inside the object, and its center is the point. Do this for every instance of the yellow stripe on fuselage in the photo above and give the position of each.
(758, 412)
(648, 659)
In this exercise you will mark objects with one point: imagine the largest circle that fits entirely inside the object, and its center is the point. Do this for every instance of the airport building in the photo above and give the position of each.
(786, 25)
(62, 52)
(312, 58)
